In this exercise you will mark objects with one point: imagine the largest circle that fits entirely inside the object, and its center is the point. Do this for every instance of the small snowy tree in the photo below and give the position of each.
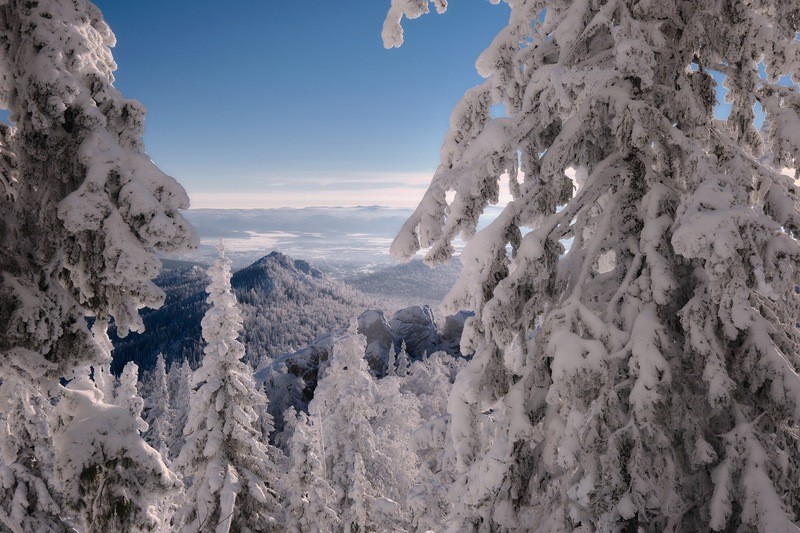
(397, 416)
(231, 470)
(309, 498)
(647, 377)
(180, 394)
(403, 363)
(105, 381)
(105, 470)
(158, 414)
(127, 395)
(391, 362)
(430, 382)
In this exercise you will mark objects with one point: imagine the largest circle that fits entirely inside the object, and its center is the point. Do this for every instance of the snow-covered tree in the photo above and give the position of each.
(180, 394)
(82, 208)
(647, 376)
(391, 362)
(27, 501)
(127, 395)
(85, 206)
(403, 363)
(355, 464)
(104, 469)
(231, 470)
(105, 381)
(397, 416)
(429, 383)
(158, 415)
(308, 496)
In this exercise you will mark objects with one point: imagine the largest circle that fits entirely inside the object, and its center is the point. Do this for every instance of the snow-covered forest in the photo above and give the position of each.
(617, 349)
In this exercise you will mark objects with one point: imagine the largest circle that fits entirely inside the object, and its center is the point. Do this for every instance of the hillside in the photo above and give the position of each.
(413, 282)
(286, 304)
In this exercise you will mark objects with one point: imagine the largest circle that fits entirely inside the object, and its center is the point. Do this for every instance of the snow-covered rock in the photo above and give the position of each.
(453, 328)
(416, 327)
(374, 326)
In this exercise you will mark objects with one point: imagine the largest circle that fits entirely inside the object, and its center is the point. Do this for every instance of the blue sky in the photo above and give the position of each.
(266, 104)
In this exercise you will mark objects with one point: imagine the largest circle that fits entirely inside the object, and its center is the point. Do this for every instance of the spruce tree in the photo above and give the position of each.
(84, 206)
(180, 394)
(105, 381)
(27, 499)
(127, 395)
(105, 471)
(230, 468)
(403, 363)
(158, 415)
(84, 210)
(636, 350)
(310, 500)
(355, 464)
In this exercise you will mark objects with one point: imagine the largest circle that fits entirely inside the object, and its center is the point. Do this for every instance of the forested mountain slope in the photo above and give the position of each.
(285, 303)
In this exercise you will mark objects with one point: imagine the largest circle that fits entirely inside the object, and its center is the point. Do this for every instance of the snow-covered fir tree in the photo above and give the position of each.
(83, 209)
(309, 498)
(158, 414)
(230, 468)
(391, 362)
(403, 363)
(105, 381)
(354, 463)
(179, 382)
(396, 418)
(27, 499)
(127, 395)
(430, 383)
(105, 471)
(645, 378)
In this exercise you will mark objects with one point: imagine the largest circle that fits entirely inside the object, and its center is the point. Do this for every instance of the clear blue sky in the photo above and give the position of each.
(266, 103)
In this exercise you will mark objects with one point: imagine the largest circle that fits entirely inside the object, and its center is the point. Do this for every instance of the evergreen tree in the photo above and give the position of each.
(104, 469)
(84, 206)
(82, 211)
(180, 391)
(391, 363)
(647, 377)
(105, 381)
(230, 469)
(158, 411)
(27, 500)
(309, 497)
(355, 464)
(127, 395)
(403, 364)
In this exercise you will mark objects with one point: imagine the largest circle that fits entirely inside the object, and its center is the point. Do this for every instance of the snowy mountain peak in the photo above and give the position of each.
(277, 260)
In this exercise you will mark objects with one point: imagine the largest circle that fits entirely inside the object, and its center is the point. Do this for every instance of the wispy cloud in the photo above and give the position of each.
(387, 189)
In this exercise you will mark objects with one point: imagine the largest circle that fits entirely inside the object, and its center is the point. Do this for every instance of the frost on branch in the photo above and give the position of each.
(636, 356)
(393, 30)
